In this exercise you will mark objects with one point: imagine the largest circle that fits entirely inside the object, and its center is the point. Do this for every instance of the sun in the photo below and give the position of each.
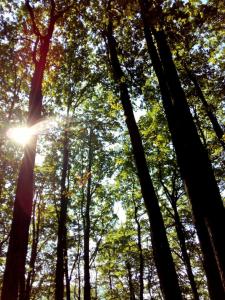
(23, 134)
(20, 135)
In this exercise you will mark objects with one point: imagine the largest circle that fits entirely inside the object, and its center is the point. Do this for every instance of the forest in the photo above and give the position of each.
(112, 150)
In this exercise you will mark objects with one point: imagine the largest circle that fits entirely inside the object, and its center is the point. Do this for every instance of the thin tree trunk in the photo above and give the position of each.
(141, 257)
(36, 232)
(14, 275)
(67, 277)
(130, 281)
(173, 198)
(212, 117)
(195, 169)
(162, 254)
(185, 256)
(87, 285)
(62, 230)
(78, 263)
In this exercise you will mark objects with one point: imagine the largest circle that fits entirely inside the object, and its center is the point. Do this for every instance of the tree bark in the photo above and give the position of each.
(87, 285)
(192, 158)
(161, 251)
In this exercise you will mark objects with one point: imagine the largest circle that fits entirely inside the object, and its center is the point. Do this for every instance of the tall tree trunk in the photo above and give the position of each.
(173, 198)
(194, 163)
(62, 230)
(184, 253)
(67, 278)
(185, 256)
(14, 275)
(34, 250)
(162, 254)
(130, 281)
(87, 285)
(141, 257)
(212, 117)
(193, 160)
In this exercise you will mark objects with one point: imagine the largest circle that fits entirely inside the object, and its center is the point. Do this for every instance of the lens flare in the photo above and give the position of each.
(22, 135)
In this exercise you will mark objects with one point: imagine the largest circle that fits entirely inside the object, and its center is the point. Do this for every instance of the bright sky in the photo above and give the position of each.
(120, 212)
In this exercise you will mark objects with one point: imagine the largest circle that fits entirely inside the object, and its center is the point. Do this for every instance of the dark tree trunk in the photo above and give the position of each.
(67, 277)
(78, 289)
(87, 285)
(141, 257)
(192, 158)
(212, 117)
(14, 275)
(173, 198)
(130, 281)
(162, 254)
(185, 256)
(62, 230)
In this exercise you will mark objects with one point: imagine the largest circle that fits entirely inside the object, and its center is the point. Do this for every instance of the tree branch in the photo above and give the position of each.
(36, 31)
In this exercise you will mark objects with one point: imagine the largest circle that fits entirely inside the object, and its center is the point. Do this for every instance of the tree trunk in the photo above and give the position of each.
(62, 230)
(141, 257)
(35, 240)
(162, 254)
(193, 160)
(212, 117)
(185, 256)
(194, 164)
(173, 197)
(130, 282)
(67, 277)
(87, 285)
(13, 282)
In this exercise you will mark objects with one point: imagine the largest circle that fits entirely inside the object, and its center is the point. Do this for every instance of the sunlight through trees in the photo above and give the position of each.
(112, 150)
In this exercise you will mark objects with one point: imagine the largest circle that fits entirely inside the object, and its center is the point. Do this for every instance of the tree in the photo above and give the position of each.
(192, 157)
(14, 281)
(162, 255)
